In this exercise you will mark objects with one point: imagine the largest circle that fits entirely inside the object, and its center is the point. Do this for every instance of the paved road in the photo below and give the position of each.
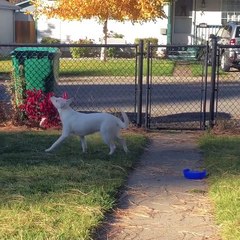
(173, 100)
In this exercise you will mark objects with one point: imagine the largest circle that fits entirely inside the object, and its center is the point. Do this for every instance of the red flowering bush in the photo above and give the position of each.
(39, 110)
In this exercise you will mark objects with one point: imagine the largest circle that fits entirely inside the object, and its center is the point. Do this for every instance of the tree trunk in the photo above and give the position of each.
(103, 49)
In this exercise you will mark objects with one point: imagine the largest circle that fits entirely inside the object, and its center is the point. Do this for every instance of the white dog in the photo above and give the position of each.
(84, 124)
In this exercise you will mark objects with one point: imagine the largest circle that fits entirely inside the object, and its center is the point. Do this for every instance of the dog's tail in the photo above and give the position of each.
(125, 120)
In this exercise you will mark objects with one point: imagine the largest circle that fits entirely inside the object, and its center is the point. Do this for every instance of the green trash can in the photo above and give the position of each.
(35, 68)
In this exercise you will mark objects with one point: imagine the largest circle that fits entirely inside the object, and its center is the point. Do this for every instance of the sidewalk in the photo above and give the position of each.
(158, 202)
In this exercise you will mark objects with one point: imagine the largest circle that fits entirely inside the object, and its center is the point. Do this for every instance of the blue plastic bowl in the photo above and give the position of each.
(189, 174)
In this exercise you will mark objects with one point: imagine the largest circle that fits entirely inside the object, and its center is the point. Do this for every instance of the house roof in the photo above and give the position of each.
(8, 6)
(23, 3)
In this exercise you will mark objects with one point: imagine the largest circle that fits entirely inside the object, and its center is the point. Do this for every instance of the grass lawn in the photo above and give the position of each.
(197, 70)
(112, 67)
(59, 195)
(96, 67)
(222, 158)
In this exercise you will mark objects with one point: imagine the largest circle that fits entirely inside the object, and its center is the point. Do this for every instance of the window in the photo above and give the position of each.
(183, 8)
(237, 32)
(226, 32)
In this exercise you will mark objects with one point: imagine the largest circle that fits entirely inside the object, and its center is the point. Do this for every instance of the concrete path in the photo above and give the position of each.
(158, 202)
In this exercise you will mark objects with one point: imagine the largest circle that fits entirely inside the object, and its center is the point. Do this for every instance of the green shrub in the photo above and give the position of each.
(112, 52)
(78, 52)
(49, 40)
(153, 41)
(115, 35)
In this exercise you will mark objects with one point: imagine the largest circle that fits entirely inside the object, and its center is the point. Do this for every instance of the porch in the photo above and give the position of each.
(192, 21)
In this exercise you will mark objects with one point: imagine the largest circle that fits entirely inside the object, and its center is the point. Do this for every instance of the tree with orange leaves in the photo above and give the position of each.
(103, 10)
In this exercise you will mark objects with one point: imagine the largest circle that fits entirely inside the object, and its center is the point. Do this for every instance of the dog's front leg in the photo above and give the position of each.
(60, 139)
(83, 143)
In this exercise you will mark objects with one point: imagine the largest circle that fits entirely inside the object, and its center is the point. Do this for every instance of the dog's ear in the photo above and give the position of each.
(69, 101)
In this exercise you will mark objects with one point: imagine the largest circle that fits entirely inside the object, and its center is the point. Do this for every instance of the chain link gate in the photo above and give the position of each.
(225, 101)
(176, 87)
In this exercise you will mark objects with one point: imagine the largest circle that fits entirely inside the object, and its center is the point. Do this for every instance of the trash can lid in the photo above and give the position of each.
(36, 49)
(32, 52)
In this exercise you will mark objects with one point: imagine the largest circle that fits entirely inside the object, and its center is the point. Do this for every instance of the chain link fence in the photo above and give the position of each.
(164, 87)
(98, 77)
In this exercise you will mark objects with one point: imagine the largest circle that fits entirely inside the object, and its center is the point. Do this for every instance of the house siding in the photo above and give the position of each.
(6, 26)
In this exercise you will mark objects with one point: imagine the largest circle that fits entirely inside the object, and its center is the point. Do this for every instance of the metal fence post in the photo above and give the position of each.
(139, 84)
(213, 81)
(205, 79)
(148, 86)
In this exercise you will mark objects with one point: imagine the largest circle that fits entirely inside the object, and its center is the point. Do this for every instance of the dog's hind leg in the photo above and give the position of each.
(109, 141)
(83, 143)
(123, 142)
(60, 139)
(112, 147)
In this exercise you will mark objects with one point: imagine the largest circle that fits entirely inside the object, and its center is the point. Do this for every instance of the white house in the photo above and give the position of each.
(7, 22)
(180, 27)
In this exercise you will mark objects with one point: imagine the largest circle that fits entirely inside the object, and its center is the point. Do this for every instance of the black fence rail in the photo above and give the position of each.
(159, 86)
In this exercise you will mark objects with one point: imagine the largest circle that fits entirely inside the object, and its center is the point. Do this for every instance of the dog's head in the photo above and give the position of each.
(61, 103)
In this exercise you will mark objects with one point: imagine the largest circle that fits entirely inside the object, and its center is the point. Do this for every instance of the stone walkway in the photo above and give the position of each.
(158, 202)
